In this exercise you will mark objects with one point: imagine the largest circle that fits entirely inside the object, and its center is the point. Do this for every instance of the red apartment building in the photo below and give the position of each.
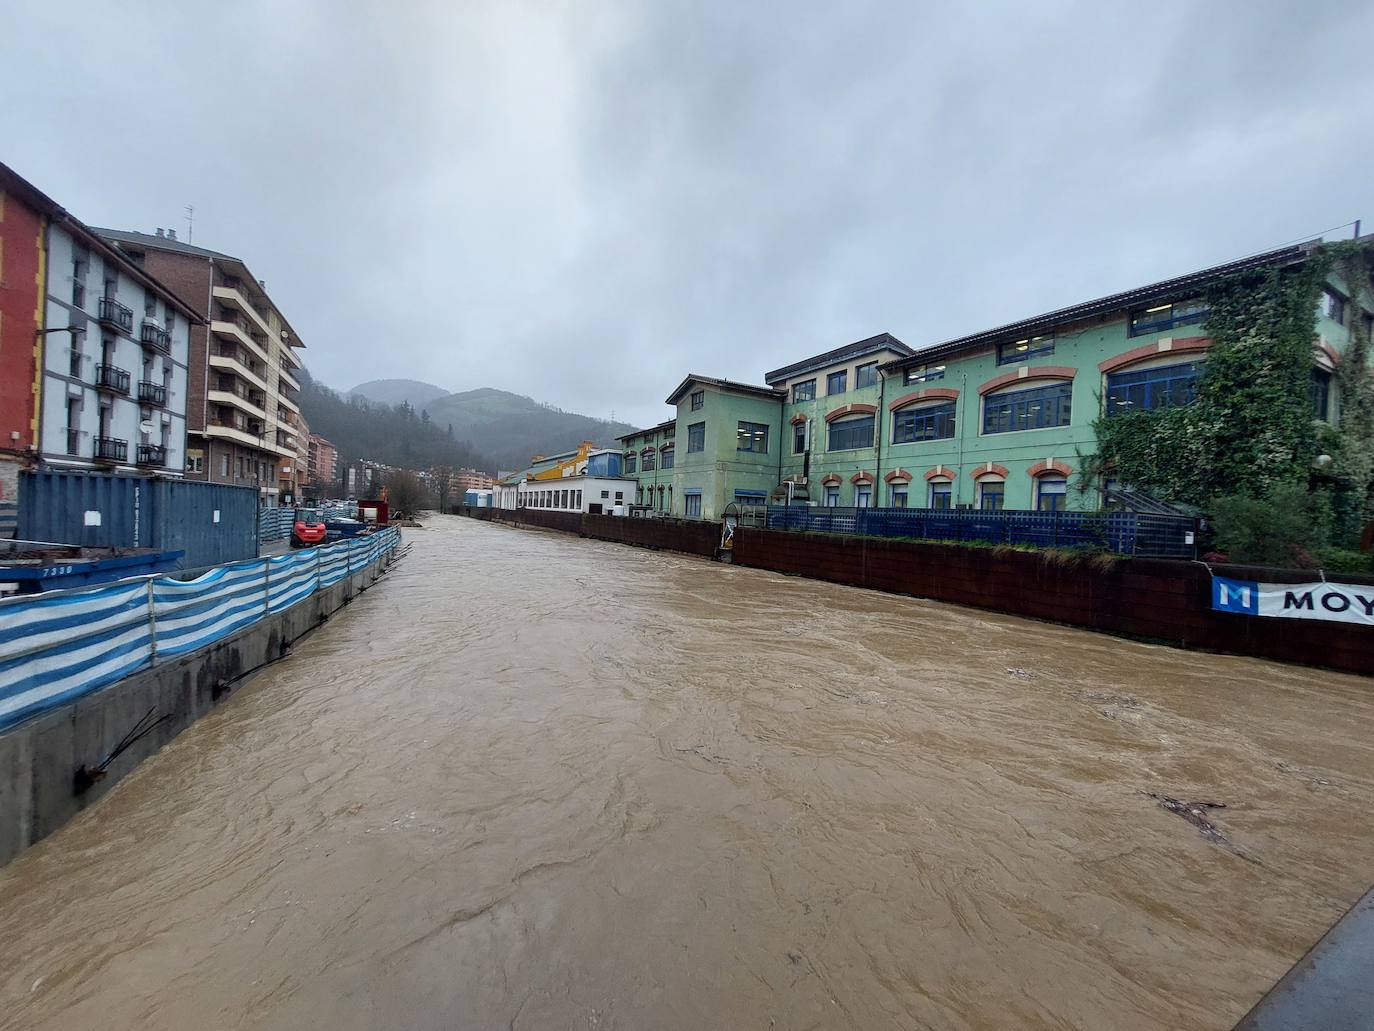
(21, 319)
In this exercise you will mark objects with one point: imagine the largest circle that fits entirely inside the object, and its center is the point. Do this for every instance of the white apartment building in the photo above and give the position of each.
(244, 417)
(116, 359)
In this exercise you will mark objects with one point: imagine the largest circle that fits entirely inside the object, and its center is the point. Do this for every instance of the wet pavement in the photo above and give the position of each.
(532, 781)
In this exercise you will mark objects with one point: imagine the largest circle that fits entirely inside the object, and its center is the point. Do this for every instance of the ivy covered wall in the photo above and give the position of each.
(1250, 430)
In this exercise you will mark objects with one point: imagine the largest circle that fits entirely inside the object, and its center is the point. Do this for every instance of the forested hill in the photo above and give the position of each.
(508, 428)
(398, 391)
(391, 434)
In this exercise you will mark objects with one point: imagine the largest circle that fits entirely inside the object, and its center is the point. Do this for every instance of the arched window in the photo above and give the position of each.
(930, 421)
(1051, 490)
(941, 493)
(1146, 386)
(992, 492)
(1037, 407)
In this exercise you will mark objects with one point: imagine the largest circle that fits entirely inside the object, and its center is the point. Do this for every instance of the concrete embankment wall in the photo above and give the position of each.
(39, 758)
(1159, 599)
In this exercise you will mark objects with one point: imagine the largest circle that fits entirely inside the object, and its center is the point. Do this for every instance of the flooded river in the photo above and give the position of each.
(530, 781)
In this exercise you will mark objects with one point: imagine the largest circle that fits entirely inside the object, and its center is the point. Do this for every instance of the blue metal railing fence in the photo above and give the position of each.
(1127, 533)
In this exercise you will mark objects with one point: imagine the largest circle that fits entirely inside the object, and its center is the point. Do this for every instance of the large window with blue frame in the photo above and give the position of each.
(752, 436)
(849, 434)
(691, 504)
(932, 422)
(696, 437)
(1167, 316)
(666, 459)
(836, 382)
(1024, 350)
(1034, 409)
(804, 391)
(924, 374)
(1167, 386)
(865, 375)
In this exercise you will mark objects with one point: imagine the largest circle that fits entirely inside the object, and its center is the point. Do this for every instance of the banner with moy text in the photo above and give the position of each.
(1340, 603)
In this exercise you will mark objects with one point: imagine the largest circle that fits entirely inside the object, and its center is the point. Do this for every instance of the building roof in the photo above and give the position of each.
(727, 385)
(1177, 288)
(12, 182)
(652, 429)
(859, 348)
(238, 267)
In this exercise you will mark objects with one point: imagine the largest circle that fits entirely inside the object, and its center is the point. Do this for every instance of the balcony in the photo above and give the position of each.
(112, 313)
(239, 362)
(111, 449)
(287, 380)
(151, 454)
(226, 390)
(233, 294)
(156, 338)
(234, 332)
(150, 393)
(240, 429)
(111, 378)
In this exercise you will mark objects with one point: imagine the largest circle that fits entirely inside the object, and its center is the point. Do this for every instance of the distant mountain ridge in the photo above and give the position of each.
(397, 391)
(508, 428)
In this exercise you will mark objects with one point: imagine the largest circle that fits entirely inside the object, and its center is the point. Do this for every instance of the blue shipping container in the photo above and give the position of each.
(211, 523)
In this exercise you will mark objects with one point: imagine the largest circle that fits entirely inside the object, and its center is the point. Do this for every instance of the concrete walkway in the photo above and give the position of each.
(1329, 989)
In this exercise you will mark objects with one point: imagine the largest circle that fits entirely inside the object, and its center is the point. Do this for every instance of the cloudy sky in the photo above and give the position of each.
(584, 202)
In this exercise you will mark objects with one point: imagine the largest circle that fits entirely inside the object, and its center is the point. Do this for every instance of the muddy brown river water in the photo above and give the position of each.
(530, 781)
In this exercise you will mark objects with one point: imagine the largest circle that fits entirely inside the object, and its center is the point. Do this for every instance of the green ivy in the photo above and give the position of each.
(1250, 429)
(1351, 446)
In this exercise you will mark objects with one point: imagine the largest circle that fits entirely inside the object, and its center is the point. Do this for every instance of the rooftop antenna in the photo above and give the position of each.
(190, 222)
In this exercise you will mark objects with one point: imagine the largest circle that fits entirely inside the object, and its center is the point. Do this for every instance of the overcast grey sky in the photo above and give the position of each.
(585, 202)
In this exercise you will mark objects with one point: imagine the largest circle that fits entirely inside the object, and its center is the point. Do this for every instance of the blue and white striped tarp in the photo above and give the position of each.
(57, 647)
(192, 613)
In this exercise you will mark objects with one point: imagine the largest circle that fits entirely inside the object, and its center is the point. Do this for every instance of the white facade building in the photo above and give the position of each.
(116, 351)
(592, 494)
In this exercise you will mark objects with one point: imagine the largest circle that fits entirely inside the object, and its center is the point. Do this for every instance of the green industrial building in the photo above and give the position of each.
(998, 419)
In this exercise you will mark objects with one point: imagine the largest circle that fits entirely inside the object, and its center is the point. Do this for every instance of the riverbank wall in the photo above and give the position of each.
(41, 786)
(1164, 600)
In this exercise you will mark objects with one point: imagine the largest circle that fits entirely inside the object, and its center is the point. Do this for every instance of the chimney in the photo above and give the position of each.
(171, 234)
(159, 231)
